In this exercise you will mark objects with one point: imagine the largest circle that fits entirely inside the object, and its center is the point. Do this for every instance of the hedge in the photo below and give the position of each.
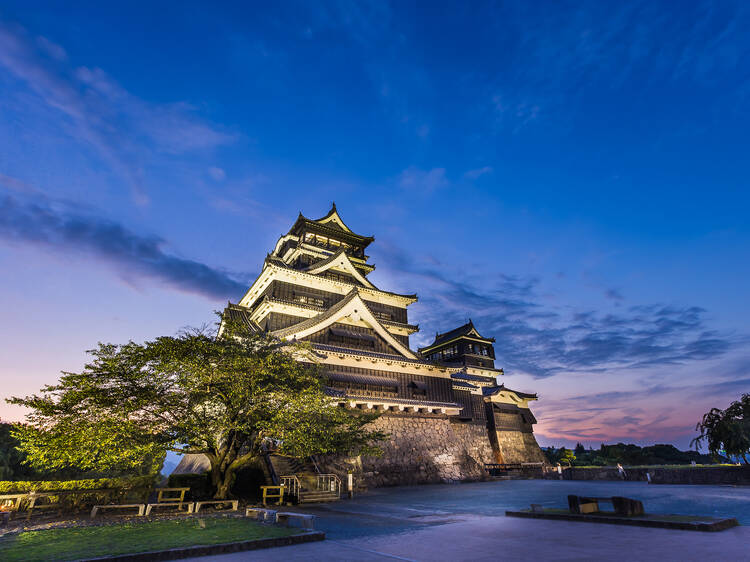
(82, 494)
(124, 483)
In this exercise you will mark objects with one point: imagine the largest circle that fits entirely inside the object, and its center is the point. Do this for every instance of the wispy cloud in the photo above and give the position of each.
(478, 172)
(54, 224)
(542, 340)
(122, 128)
(421, 181)
(613, 47)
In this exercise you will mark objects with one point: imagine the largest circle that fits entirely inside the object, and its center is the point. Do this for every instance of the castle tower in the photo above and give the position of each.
(314, 287)
(509, 418)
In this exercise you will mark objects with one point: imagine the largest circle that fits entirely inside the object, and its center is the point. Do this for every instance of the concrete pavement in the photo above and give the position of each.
(481, 538)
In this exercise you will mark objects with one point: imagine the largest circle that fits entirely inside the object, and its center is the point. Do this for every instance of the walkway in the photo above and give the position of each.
(464, 522)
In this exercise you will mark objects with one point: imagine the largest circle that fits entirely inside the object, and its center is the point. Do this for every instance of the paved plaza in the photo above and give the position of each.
(505, 538)
(466, 522)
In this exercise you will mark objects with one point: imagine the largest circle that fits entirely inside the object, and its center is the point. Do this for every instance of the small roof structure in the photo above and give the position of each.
(467, 330)
(492, 390)
(241, 315)
(331, 224)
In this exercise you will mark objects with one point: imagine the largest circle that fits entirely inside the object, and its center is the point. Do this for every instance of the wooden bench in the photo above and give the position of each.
(273, 493)
(162, 496)
(141, 507)
(10, 504)
(261, 514)
(34, 497)
(178, 505)
(622, 506)
(306, 521)
(235, 504)
(170, 497)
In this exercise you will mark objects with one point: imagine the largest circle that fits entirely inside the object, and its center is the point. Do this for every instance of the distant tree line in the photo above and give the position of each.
(627, 454)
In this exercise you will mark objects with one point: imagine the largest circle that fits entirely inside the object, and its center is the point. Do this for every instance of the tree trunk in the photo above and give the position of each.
(222, 481)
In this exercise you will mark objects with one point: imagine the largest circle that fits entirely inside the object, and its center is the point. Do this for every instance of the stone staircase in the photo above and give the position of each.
(304, 482)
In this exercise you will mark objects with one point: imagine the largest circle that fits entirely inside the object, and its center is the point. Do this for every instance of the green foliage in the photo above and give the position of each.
(11, 459)
(727, 429)
(629, 455)
(21, 486)
(222, 397)
(82, 494)
(567, 456)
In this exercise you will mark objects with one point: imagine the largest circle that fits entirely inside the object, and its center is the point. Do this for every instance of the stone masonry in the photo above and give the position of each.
(421, 450)
(518, 447)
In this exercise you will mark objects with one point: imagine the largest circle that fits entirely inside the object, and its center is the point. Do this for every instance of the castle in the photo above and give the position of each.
(442, 405)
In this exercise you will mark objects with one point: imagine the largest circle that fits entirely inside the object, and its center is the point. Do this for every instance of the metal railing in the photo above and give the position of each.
(329, 483)
(322, 482)
(291, 485)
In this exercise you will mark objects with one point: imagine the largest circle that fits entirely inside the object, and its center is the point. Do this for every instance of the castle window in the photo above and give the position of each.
(363, 385)
(308, 299)
(450, 351)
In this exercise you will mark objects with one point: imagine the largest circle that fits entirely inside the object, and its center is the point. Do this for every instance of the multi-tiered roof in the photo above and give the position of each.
(314, 286)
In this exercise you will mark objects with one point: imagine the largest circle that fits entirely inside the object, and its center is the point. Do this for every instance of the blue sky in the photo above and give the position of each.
(572, 176)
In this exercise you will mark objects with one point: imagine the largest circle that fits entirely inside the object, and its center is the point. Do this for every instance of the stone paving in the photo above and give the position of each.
(503, 538)
(465, 522)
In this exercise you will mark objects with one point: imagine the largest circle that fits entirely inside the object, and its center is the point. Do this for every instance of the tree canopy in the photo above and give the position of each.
(191, 393)
(727, 429)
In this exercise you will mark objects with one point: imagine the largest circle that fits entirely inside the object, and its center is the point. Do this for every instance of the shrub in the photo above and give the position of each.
(77, 494)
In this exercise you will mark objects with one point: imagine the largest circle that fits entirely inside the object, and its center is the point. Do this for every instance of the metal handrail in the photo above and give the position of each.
(329, 483)
(323, 483)
(291, 484)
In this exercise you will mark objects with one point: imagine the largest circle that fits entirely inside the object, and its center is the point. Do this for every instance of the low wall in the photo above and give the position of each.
(661, 475)
(421, 450)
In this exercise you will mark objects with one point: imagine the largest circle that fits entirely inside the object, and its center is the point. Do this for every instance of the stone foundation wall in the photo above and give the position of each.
(421, 450)
(517, 446)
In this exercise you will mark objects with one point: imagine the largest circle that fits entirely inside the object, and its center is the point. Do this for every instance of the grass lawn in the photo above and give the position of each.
(89, 542)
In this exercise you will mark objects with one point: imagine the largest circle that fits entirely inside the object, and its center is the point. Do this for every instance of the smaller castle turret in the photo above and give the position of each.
(463, 347)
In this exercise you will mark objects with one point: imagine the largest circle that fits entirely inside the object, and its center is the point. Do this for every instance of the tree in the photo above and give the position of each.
(567, 456)
(579, 450)
(727, 429)
(11, 467)
(193, 393)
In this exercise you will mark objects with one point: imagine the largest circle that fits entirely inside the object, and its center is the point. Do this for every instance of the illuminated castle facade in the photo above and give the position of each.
(442, 405)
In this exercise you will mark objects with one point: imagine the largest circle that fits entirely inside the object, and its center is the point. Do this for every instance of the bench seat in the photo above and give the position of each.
(179, 505)
(235, 504)
(306, 521)
(141, 507)
(261, 514)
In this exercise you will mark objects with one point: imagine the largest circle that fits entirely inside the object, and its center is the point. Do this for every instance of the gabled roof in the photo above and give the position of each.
(333, 224)
(340, 260)
(351, 305)
(492, 390)
(333, 219)
(467, 330)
